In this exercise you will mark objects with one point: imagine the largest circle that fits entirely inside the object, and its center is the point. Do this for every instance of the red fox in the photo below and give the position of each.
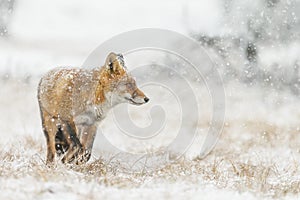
(73, 101)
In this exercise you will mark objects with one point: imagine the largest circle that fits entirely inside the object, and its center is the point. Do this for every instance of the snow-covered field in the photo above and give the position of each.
(258, 153)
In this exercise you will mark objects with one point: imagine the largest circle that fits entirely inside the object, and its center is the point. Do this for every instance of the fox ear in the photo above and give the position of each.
(109, 60)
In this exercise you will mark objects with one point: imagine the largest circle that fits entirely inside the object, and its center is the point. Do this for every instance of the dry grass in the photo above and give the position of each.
(258, 164)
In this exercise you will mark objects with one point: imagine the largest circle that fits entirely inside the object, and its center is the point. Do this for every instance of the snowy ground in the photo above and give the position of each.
(257, 156)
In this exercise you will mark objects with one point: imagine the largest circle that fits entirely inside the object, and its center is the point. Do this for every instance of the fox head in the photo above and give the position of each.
(117, 84)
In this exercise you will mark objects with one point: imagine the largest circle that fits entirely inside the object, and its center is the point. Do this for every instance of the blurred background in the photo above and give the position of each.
(254, 44)
(250, 40)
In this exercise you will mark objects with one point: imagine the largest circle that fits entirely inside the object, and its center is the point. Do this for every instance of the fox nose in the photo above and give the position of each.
(146, 99)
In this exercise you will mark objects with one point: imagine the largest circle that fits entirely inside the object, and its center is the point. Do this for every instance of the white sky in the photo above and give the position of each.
(75, 19)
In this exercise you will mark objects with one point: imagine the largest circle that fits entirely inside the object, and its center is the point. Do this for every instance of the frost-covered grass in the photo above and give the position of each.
(255, 158)
(260, 166)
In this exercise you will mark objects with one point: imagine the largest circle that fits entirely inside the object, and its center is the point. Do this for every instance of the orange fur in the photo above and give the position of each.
(72, 101)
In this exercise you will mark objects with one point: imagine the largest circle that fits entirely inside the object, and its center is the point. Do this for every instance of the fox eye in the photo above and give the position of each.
(130, 85)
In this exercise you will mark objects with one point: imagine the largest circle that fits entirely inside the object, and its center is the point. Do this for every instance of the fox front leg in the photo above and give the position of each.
(86, 125)
(75, 146)
(86, 136)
